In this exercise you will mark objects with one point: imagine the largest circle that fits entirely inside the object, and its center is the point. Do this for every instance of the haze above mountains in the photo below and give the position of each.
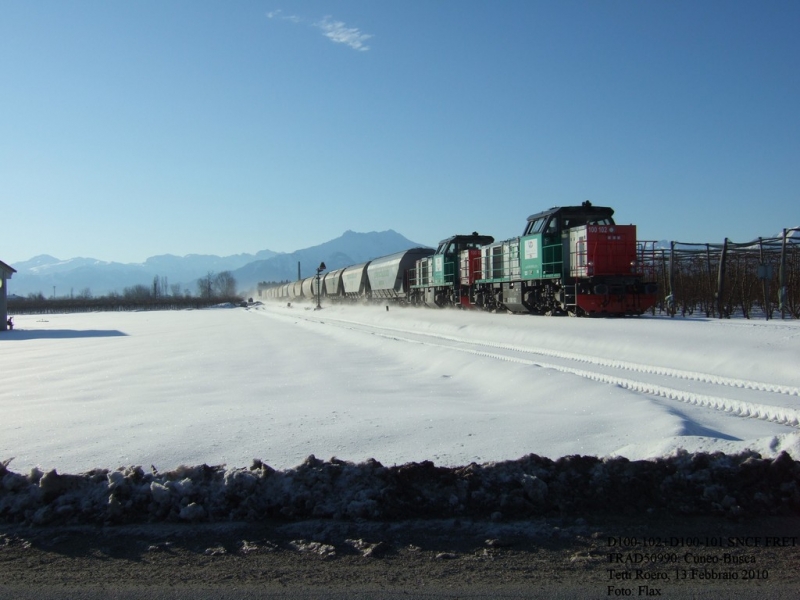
(43, 273)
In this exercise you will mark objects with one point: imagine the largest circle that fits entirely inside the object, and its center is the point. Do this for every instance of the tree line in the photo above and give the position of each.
(212, 288)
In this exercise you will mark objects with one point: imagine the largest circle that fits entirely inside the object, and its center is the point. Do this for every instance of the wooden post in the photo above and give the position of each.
(671, 305)
(721, 279)
(765, 273)
(782, 291)
(710, 274)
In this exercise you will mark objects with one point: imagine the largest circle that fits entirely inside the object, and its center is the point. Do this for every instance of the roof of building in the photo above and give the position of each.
(7, 269)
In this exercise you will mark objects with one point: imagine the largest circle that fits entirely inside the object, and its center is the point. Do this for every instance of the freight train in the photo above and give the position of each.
(569, 260)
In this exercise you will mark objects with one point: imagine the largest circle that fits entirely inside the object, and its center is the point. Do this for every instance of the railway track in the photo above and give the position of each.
(738, 397)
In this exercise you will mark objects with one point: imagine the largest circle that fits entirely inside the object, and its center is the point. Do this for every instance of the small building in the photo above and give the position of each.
(5, 273)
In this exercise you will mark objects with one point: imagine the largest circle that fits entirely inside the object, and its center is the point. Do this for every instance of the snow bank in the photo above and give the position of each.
(743, 485)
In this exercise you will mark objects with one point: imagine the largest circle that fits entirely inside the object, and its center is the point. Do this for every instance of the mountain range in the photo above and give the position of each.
(52, 276)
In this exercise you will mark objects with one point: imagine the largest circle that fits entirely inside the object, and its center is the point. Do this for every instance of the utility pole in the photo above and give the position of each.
(782, 294)
(721, 280)
(320, 269)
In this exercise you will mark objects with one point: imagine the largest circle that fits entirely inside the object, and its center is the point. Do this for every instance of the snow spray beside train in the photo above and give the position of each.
(569, 260)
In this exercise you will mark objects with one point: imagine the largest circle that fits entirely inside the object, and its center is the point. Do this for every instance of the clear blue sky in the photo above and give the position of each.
(130, 129)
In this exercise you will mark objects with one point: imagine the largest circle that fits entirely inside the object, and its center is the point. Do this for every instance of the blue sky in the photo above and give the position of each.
(141, 128)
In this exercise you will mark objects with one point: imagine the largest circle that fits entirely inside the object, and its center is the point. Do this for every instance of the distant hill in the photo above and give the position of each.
(42, 273)
(349, 249)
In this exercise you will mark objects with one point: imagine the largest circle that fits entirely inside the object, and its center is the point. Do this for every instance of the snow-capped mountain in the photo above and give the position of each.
(72, 276)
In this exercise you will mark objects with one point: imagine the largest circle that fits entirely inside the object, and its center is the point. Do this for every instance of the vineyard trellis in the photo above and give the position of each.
(759, 278)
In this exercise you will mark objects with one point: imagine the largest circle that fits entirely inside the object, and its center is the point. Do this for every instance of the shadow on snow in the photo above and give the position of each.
(54, 334)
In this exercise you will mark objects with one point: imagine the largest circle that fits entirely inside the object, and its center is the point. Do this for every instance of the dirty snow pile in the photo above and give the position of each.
(743, 485)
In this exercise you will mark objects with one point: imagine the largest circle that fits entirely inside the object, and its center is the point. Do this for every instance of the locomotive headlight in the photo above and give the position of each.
(633, 266)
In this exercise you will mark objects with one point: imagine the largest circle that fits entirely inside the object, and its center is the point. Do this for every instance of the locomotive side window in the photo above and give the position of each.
(450, 248)
(454, 246)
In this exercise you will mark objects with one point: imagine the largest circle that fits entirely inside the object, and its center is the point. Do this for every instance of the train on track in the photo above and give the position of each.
(569, 260)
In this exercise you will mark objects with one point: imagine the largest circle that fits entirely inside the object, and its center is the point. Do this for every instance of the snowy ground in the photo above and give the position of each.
(225, 386)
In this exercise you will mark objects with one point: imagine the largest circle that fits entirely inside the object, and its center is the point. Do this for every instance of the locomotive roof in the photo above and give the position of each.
(586, 210)
(474, 237)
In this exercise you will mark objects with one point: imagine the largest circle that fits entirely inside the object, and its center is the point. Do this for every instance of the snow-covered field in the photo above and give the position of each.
(225, 386)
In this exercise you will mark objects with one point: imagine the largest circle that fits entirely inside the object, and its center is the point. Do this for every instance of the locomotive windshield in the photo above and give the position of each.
(456, 244)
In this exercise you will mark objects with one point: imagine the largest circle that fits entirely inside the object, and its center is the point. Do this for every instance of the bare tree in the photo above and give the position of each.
(136, 292)
(225, 285)
(205, 286)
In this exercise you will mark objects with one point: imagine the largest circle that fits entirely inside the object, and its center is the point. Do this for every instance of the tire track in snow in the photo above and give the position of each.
(604, 362)
(775, 414)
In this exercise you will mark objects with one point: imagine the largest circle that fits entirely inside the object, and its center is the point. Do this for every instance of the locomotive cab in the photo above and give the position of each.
(452, 246)
(438, 278)
(592, 262)
(445, 260)
(557, 220)
(544, 244)
(568, 260)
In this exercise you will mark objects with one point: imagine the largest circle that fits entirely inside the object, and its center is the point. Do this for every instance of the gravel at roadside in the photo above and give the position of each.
(598, 556)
